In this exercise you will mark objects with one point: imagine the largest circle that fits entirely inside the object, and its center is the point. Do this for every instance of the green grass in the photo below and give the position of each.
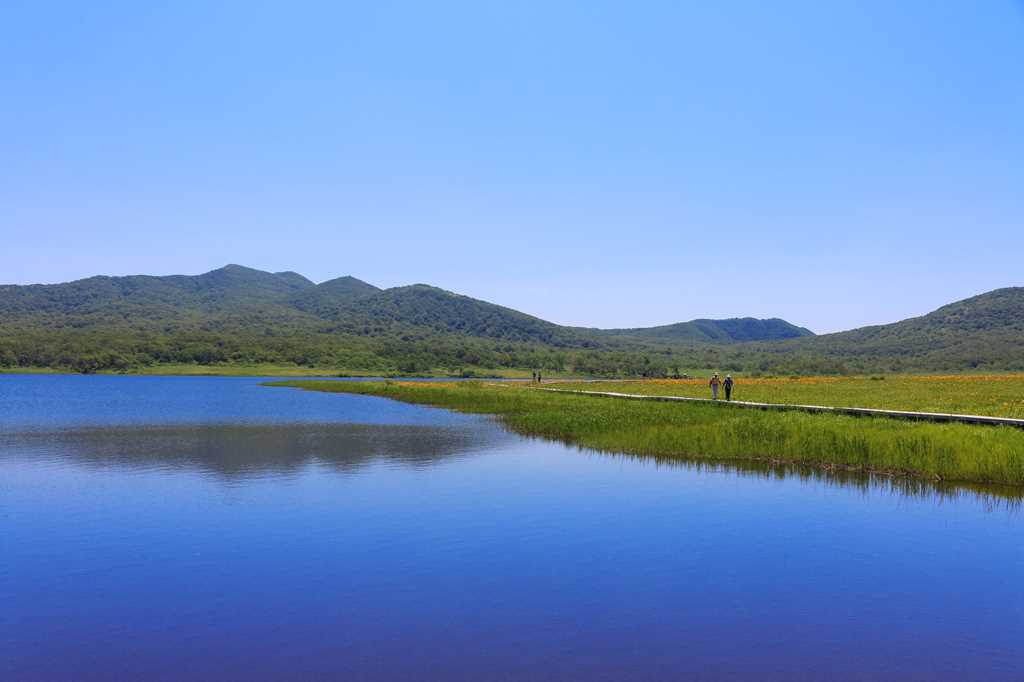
(950, 452)
(997, 395)
(281, 370)
(30, 370)
(254, 370)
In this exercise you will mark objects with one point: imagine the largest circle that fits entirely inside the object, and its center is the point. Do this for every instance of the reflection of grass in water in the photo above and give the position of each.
(943, 452)
(997, 395)
(1008, 497)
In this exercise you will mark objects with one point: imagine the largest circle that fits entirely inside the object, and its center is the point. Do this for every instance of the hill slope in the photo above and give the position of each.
(230, 288)
(242, 299)
(241, 315)
(985, 331)
(437, 311)
(732, 330)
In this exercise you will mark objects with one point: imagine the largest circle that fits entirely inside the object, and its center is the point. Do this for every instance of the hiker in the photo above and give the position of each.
(727, 384)
(714, 383)
(540, 379)
(534, 376)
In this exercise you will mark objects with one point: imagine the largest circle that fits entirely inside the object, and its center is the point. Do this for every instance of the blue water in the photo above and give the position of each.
(63, 401)
(210, 528)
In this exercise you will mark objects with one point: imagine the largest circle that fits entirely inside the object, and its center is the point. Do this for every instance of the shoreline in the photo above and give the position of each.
(268, 371)
(946, 453)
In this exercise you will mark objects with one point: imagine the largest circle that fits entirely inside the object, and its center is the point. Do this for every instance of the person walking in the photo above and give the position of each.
(714, 384)
(727, 385)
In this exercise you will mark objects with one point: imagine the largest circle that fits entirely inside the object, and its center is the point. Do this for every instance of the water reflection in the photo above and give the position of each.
(240, 450)
(245, 450)
(1010, 498)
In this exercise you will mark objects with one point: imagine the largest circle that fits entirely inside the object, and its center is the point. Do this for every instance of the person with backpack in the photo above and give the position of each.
(714, 384)
(727, 385)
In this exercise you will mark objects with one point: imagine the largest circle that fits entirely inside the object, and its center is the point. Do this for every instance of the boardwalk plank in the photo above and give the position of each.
(855, 411)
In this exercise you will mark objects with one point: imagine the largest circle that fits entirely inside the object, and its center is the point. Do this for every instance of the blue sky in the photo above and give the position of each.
(593, 163)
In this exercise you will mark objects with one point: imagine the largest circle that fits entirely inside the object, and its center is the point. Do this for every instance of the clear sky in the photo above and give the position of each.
(596, 163)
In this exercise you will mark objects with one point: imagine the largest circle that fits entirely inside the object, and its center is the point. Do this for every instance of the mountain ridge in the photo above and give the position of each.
(236, 314)
(732, 329)
(982, 330)
(346, 296)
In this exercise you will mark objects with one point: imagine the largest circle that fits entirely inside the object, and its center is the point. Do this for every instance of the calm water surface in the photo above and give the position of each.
(210, 528)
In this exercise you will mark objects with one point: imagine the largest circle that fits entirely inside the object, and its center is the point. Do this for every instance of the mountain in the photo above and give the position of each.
(732, 330)
(242, 316)
(985, 331)
(239, 297)
(347, 288)
(230, 286)
(442, 312)
(329, 299)
(295, 279)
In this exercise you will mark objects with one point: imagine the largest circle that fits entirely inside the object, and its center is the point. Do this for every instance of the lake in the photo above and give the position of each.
(211, 528)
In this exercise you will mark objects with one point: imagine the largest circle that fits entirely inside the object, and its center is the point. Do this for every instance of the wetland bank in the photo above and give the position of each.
(945, 452)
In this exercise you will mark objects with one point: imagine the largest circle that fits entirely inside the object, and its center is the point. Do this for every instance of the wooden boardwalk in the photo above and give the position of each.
(855, 411)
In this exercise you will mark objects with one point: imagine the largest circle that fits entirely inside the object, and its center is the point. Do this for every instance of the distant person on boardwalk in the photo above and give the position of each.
(714, 384)
(727, 384)
(540, 379)
(534, 376)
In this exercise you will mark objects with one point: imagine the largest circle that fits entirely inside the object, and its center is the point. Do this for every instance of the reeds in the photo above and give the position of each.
(948, 452)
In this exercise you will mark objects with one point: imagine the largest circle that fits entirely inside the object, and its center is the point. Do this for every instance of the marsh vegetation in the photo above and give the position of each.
(996, 395)
(947, 452)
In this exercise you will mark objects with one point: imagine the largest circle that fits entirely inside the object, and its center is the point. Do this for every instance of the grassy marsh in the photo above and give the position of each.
(950, 452)
(997, 395)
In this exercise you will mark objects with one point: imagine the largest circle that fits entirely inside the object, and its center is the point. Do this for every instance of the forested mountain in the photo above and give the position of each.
(240, 315)
(732, 330)
(985, 331)
(436, 311)
(141, 298)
